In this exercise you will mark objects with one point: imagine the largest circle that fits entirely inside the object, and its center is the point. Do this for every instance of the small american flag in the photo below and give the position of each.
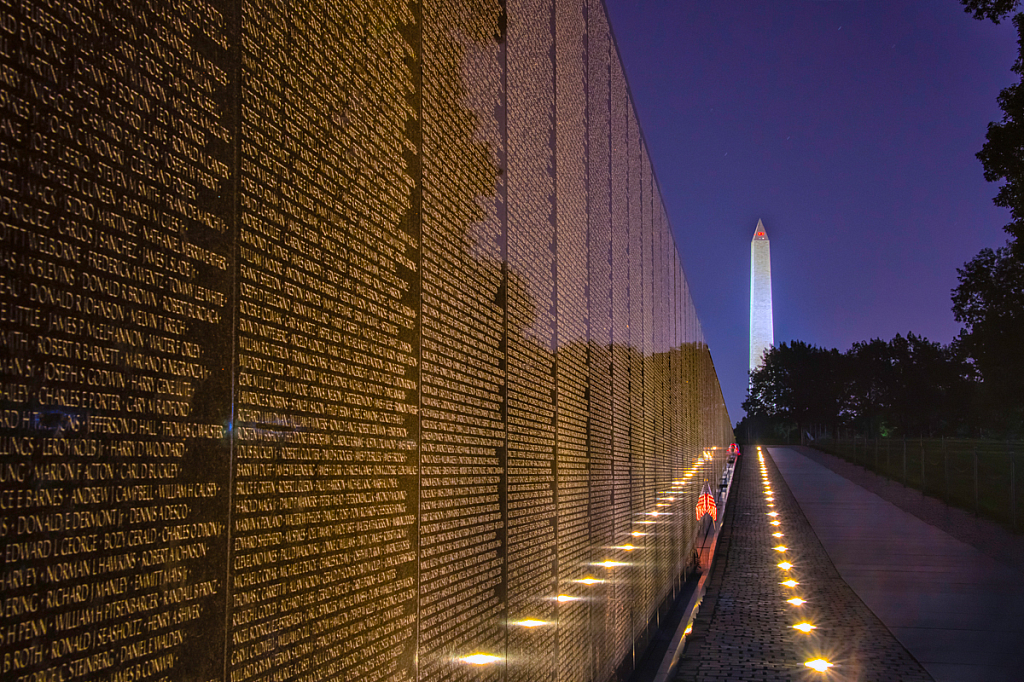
(706, 503)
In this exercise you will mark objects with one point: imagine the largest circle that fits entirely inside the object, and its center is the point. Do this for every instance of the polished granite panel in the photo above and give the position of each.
(339, 341)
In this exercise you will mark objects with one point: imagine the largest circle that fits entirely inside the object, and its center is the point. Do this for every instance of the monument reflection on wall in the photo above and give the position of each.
(337, 343)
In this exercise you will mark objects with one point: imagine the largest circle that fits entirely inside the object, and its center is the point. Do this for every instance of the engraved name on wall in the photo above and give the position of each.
(338, 340)
(115, 221)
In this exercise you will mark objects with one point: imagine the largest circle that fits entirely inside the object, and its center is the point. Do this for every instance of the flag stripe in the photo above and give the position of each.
(706, 505)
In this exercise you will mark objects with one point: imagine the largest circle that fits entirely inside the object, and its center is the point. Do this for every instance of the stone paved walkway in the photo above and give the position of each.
(983, 534)
(955, 609)
(744, 629)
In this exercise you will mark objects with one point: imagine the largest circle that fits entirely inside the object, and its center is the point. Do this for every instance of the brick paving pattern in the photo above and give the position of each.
(744, 631)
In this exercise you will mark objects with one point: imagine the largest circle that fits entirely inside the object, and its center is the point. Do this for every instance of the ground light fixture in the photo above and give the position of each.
(818, 664)
(480, 659)
(589, 581)
(530, 623)
(562, 598)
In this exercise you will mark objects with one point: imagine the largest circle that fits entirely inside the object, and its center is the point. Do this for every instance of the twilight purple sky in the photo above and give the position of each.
(850, 128)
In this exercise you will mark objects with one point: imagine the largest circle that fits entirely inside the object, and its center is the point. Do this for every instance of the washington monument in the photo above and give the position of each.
(762, 334)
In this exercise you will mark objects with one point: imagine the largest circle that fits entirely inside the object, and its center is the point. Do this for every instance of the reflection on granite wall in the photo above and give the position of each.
(338, 343)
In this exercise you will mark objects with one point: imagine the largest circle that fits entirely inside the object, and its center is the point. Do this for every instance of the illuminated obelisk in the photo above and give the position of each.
(762, 334)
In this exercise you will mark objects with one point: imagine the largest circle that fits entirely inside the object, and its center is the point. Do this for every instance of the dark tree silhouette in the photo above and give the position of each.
(989, 302)
(994, 10)
(1002, 155)
(907, 386)
(800, 384)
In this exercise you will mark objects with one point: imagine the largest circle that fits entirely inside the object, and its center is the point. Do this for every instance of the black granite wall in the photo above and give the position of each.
(340, 341)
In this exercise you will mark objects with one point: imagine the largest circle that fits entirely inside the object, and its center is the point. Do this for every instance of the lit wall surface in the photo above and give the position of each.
(338, 343)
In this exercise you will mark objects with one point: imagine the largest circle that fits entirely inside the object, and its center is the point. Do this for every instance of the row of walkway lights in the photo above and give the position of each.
(819, 664)
(664, 499)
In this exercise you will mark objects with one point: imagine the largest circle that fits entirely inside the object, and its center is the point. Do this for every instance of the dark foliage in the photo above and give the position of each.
(989, 302)
(1002, 155)
(911, 386)
(995, 10)
(907, 386)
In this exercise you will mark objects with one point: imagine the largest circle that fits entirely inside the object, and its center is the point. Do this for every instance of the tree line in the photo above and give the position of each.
(909, 386)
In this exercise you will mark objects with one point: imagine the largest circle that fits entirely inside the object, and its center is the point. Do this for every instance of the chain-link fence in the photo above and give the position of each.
(977, 475)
